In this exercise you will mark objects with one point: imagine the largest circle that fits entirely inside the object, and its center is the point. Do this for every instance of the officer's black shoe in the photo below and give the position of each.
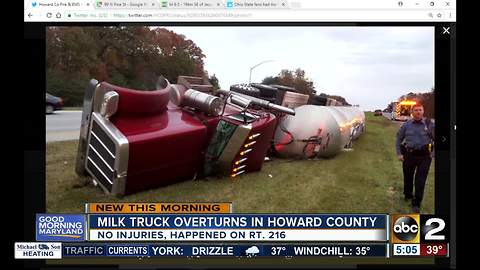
(415, 209)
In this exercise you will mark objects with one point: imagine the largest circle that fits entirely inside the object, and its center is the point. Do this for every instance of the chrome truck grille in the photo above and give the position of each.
(103, 151)
(101, 156)
(107, 155)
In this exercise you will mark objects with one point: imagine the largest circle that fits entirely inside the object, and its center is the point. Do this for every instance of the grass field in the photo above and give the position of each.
(365, 180)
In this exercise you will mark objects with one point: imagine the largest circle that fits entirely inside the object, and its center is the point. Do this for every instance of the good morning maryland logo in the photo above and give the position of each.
(60, 227)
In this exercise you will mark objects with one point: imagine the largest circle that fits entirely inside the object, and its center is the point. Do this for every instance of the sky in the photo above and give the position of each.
(369, 66)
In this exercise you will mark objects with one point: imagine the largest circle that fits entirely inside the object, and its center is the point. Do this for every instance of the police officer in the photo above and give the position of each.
(415, 149)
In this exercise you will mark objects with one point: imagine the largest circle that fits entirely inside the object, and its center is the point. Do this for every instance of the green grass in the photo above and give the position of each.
(366, 180)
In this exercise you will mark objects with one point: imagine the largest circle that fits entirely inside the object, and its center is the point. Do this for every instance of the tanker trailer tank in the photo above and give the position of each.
(357, 121)
(362, 115)
(347, 126)
(312, 132)
(342, 121)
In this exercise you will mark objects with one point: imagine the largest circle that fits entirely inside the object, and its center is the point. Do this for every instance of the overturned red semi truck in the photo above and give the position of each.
(136, 140)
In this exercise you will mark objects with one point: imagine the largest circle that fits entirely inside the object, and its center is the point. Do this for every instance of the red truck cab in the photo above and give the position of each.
(137, 140)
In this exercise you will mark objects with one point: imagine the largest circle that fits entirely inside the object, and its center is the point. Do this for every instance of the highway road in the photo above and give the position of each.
(387, 115)
(63, 125)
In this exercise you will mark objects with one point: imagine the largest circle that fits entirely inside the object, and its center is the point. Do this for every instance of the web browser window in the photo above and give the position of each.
(246, 134)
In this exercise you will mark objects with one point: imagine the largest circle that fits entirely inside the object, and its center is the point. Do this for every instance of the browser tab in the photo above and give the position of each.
(126, 4)
(260, 4)
(193, 4)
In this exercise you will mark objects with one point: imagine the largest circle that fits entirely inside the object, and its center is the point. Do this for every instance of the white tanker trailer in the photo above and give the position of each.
(342, 121)
(318, 131)
(355, 120)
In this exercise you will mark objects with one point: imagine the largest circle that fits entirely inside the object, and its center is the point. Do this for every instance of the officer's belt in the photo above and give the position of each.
(422, 151)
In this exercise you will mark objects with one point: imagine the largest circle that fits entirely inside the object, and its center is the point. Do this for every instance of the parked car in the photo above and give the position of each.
(53, 103)
(377, 113)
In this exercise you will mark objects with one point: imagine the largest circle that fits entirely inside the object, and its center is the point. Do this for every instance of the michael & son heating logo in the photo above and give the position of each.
(60, 227)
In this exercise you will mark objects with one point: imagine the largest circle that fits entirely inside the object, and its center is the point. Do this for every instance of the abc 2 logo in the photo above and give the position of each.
(415, 229)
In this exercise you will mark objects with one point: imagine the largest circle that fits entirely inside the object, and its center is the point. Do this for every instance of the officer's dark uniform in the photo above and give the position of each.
(415, 143)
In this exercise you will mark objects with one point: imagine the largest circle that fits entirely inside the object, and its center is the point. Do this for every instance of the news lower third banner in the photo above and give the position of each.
(211, 229)
(238, 227)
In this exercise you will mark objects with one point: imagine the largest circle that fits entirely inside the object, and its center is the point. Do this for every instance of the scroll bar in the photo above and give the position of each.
(387, 224)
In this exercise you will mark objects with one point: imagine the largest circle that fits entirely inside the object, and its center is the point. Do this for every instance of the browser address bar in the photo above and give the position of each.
(243, 15)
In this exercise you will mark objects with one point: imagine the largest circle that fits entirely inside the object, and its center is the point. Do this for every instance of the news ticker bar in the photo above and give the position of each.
(59, 250)
(248, 250)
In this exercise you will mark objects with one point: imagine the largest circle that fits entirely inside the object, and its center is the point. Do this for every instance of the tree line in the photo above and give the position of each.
(297, 79)
(133, 57)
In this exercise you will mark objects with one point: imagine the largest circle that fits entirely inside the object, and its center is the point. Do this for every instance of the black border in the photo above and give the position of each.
(34, 124)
